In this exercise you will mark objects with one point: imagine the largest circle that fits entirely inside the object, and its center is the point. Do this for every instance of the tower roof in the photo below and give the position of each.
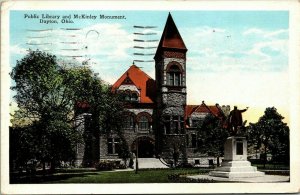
(141, 80)
(171, 37)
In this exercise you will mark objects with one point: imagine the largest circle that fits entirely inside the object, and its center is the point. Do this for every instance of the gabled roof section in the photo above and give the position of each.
(171, 37)
(203, 108)
(127, 80)
(141, 80)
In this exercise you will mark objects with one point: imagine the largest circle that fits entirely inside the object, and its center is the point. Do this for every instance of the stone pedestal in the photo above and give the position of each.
(235, 164)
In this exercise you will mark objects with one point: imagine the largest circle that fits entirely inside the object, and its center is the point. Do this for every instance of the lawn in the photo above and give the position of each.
(92, 176)
(143, 176)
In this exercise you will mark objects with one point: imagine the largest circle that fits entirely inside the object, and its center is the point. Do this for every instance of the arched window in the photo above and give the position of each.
(143, 123)
(194, 140)
(129, 121)
(174, 76)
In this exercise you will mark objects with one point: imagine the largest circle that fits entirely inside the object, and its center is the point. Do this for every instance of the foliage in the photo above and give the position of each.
(105, 165)
(88, 95)
(112, 120)
(21, 137)
(46, 95)
(212, 136)
(50, 99)
(272, 134)
(46, 101)
(121, 166)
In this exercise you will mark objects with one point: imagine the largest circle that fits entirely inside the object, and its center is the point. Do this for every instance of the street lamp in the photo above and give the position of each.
(137, 156)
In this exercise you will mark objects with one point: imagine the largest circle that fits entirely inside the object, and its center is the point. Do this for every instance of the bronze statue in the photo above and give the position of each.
(235, 120)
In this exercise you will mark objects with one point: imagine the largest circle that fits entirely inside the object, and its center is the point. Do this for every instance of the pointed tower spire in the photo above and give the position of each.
(170, 37)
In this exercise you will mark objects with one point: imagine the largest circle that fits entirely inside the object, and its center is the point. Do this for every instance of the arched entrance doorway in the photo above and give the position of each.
(145, 147)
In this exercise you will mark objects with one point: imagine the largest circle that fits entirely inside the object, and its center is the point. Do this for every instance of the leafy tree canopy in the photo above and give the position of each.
(212, 136)
(271, 133)
(46, 96)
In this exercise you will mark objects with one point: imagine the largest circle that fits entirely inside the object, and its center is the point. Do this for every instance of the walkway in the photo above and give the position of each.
(263, 179)
(154, 163)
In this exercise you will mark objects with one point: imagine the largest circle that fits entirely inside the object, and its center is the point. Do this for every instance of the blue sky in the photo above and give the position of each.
(234, 57)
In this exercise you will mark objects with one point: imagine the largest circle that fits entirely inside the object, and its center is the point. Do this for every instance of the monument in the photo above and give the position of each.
(235, 163)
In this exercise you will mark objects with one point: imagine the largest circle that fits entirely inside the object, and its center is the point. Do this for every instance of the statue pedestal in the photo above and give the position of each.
(235, 163)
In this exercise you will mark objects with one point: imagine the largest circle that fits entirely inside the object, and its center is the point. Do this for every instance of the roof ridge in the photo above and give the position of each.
(135, 66)
(209, 109)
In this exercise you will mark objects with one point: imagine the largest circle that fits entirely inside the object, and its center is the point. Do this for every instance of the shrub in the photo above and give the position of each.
(185, 165)
(105, 166)
(277, 172)
(121, 166)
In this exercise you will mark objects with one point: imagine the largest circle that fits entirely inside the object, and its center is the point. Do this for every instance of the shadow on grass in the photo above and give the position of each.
(56, 177)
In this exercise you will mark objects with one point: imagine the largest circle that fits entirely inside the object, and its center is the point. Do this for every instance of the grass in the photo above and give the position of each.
(272, 166)
(89, 176)
(143, 176)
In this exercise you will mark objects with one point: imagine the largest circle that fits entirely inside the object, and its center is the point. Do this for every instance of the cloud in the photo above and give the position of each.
(207, 30)
(280, 33)
(254, 31)
(109, 40)
(17, 50)
(234, 50)
(280, 46)
(105, 46)
(252, 88)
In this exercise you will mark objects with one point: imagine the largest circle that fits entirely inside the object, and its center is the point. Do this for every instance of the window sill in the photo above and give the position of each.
(174, 134)
(112, 154)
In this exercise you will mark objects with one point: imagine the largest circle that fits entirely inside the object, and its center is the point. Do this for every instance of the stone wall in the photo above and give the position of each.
(173, 142)
(80, 147)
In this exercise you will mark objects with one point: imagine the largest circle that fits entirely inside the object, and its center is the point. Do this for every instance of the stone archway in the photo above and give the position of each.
(145, 147)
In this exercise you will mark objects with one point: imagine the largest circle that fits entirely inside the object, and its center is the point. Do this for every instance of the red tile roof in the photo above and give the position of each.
(203, 108)
(141, 80)
(170, 37)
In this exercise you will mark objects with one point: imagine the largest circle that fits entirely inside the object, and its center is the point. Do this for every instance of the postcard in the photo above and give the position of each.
(152, 97)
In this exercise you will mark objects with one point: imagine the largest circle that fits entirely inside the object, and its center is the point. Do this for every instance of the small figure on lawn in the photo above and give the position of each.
(175, 156)
(235, 121)
(131, 162)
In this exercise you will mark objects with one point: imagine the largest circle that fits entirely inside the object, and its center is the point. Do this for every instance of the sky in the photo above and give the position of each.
(234, 57)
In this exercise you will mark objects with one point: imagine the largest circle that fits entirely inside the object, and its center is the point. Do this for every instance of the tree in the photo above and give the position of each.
(253, 138)
(88, 95)
(272, 133)
(105, 110)
(46, 102)
(212, 137)
(112, 121)
(49, 96)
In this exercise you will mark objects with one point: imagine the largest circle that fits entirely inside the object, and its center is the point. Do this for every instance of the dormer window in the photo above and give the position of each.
(174, 76)
(134, 97)
(130, 96)
(127, 95)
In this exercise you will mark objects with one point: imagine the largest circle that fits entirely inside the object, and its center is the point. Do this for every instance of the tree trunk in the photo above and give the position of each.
(44, 168)
(218, 161)
(52, 168)
(265, 157)
(256, 152)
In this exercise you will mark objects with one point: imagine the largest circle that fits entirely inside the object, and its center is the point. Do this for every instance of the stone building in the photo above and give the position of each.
(158, 120)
